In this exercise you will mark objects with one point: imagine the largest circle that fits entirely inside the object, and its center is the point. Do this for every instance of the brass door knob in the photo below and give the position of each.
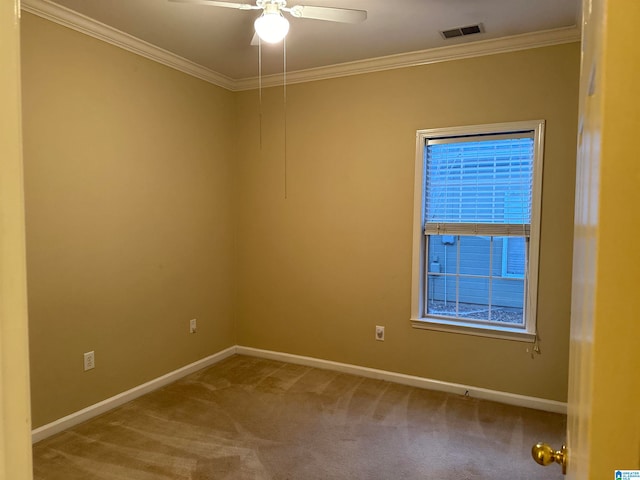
(545, 455)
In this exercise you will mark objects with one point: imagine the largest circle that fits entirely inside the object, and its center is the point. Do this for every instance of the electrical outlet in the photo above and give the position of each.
(89, 360)
(379, 333)
(193, 325)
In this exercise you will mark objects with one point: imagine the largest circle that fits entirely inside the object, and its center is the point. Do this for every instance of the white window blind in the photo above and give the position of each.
(479, 185)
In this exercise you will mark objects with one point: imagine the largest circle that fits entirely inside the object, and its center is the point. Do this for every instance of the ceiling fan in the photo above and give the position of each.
(272, 26)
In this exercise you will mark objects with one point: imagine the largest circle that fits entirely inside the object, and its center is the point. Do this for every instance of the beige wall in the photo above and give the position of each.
(129, 225)
(150, 202)
(319, 269)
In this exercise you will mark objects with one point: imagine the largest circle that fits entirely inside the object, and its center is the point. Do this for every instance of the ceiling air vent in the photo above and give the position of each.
(462, 31)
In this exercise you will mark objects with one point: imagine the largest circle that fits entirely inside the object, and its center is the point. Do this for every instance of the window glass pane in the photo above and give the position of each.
(473, 301)
(507, 297)
(441, 280)
(514, 257)
(475, 255)
(496, 265)
(443, 254)
(465, 278)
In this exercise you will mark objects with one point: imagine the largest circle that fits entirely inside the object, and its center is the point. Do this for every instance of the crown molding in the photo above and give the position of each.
(83, 24)
(423, 57)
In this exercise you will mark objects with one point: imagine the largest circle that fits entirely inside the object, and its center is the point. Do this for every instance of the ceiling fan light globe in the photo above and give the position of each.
(271, 27)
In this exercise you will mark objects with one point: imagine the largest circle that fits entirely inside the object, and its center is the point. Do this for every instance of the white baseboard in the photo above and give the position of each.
(413, 381)
(99, 408)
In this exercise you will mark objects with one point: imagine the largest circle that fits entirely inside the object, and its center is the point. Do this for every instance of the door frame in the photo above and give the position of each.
(15, 408)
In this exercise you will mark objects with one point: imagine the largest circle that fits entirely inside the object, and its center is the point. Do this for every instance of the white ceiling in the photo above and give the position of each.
(218, 39)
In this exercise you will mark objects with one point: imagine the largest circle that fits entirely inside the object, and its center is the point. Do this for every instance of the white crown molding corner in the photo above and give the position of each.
(423, 57)
(99, 408)
(410, 380)
(83, 24)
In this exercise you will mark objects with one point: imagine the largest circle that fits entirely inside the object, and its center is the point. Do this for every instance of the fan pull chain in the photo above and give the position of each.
(284, 86)
(260, 86)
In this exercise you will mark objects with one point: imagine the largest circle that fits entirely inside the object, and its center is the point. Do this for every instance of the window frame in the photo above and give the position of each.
(419, 317)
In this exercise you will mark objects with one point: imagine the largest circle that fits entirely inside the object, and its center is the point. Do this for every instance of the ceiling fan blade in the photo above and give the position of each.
(213, 3)
(342, 15)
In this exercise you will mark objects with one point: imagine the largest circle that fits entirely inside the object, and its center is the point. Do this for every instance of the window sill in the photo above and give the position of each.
(504, 333)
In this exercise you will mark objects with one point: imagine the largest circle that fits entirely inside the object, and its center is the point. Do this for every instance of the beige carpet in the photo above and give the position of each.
(248, 418)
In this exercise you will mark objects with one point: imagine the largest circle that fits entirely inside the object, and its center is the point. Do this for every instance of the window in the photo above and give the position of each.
(476, 229)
